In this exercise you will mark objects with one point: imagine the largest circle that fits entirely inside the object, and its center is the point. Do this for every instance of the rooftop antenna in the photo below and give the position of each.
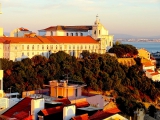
(0, 9)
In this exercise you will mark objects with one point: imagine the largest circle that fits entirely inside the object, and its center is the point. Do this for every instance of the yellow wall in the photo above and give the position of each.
(143, 53)
(18, 51)
(127, 61)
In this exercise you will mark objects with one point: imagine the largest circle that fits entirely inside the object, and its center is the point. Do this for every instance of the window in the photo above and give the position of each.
(69, 47)
(22, 54)
(71, 34)
(73, 47)
(51, 33)
(28, 53)
(27, 47)
(47, 47)
(76, 34)
(60, 47)
(22, 47)
(81, 34)
(56, 46)
(51, 47)
(15, 47)
(32, 47)
(37, 47)
(99, 32)
(32, 53)
(95, 32)
(67, 34)
(42, 47)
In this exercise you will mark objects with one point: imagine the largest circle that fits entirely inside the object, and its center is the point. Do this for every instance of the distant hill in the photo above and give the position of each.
(126, 36)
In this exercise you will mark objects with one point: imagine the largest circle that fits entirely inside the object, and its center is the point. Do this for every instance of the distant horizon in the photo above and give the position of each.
(133, 17)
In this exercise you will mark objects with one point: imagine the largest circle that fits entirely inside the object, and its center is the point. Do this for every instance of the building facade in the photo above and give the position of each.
(19, 32)
(73, 40)
(96, 31)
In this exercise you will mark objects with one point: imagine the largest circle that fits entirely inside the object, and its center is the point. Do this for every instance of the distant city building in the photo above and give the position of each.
(96, 31)
(19, 32)
(143, 53)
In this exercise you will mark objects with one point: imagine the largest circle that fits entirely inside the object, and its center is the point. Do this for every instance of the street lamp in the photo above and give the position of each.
(10, 92)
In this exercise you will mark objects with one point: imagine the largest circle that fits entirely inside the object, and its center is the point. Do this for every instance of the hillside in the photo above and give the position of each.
(99, 71)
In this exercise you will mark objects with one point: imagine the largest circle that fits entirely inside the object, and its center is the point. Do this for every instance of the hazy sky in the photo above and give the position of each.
(134, 17)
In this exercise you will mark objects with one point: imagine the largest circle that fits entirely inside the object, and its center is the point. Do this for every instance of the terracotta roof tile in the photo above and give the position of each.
(33, 40)
(21, 107)
(53, 110)
(23, 29)
(147, 64)
(112, 110)
(65, 101)
(155, 73)
(99, 115)
(69, 28)
(149, 70)
(81, 103)
(81, 117)
(72, 39)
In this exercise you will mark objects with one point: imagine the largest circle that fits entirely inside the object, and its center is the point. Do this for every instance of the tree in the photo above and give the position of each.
(152, 110)
(117, 43)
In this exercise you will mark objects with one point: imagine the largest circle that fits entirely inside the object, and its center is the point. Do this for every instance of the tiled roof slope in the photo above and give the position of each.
(99, 115)
(34, 40)
(81, 103)
(72, 39)
(50, 111)
(69, 28)
(20, 110)
(81, 117)
(148, 64)
(65, 101)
